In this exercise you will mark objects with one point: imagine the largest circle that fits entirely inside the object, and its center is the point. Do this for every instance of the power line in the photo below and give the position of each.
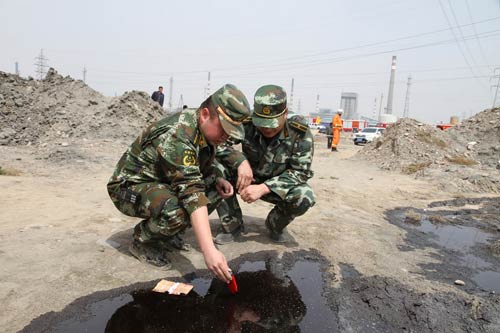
(456, 39)
(281, 61)
(347, 58)
(475, 31)
(461, 32)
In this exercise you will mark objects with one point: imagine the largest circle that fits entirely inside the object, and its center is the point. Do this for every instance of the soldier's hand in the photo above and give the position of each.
(217, 264)
(245, 176)
(252, 193)
(224, 188)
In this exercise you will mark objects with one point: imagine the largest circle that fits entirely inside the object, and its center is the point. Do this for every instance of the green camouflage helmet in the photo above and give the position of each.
(269, 105)
(232, 107)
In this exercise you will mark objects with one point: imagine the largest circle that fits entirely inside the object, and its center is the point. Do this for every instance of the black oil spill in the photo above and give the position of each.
(295, 293)
(274, 296)
(463, 237)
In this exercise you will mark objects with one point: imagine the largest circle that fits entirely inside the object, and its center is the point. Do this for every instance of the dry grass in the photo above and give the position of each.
(428, 138)
(461, 160)
(438, 219)
(415, 167)
(9, 172)
(413, 217)
(495, 248)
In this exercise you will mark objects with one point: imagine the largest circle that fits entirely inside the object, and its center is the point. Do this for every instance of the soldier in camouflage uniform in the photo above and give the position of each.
(275, 167)
(168, 177)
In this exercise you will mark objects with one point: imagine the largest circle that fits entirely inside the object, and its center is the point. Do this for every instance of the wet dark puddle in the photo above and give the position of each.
(274, 296)
(462, 235)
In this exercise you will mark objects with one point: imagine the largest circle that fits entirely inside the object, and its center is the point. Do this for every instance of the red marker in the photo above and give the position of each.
(233, 287)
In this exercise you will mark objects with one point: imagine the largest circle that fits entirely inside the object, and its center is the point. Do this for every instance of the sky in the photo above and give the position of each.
(450, 48)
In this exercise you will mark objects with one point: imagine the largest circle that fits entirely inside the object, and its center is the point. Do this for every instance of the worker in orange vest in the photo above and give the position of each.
(337, 125)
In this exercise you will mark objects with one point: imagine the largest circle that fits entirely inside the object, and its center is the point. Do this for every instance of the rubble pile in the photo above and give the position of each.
(410, 145)
(481, 135)
(58, 109)
(449, 157)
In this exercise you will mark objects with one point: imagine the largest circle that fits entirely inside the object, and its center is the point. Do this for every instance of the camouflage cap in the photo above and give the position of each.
(269, 105)
(232, 107)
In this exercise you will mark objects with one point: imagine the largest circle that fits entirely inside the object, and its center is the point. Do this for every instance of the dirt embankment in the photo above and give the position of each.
(464, 158)
(59, 109)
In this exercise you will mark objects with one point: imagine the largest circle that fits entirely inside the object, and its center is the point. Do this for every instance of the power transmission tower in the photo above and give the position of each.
(317, 103)
(41, 65)
(17, 68)
(406, 112)
(497, 86)
(290, 104)
(207, 88)
(181, 103)
(84, 74)
(170, 94)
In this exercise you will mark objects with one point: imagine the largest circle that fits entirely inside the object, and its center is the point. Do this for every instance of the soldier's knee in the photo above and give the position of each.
(302, 199)
(303, 205)
(172, 218)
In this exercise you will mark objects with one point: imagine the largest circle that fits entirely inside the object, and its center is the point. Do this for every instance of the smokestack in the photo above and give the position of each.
(391, 86)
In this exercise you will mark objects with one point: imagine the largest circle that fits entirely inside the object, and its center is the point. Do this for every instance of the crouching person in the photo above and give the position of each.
(275, 166)
(167, 177)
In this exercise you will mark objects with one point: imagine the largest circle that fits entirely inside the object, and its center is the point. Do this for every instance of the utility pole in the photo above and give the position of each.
(41, 64)
(374, 108)
(406, 112)
(290, 105)
(207, 89)
(84, 74)
(391, 86)
(498, 85)
(17, 68)
(380, 107)
(170, 94)
(181, 103)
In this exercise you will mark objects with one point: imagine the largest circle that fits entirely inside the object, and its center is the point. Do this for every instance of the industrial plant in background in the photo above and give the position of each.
(349, 103)
(353, 121)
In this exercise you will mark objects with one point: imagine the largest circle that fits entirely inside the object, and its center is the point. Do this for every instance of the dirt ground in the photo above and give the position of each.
(62, 239)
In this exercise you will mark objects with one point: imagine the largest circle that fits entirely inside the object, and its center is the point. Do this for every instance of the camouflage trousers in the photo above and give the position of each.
(297, 201)
(158, 205)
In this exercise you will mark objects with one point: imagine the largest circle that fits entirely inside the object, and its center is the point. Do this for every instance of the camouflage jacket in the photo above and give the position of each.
(282, 163)
(171, 151)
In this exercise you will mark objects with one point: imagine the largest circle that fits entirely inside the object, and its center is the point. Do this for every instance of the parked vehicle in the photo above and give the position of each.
(368, 135)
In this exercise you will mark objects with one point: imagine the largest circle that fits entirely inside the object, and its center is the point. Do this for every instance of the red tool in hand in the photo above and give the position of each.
(233, 287)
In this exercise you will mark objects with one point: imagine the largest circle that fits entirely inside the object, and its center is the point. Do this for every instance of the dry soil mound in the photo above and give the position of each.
(60, 108)
(481, 134)
(447, 157)
(409, 146)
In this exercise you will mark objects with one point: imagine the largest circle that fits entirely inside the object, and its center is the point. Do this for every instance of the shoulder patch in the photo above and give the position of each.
(298, 123)
(188, 157)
